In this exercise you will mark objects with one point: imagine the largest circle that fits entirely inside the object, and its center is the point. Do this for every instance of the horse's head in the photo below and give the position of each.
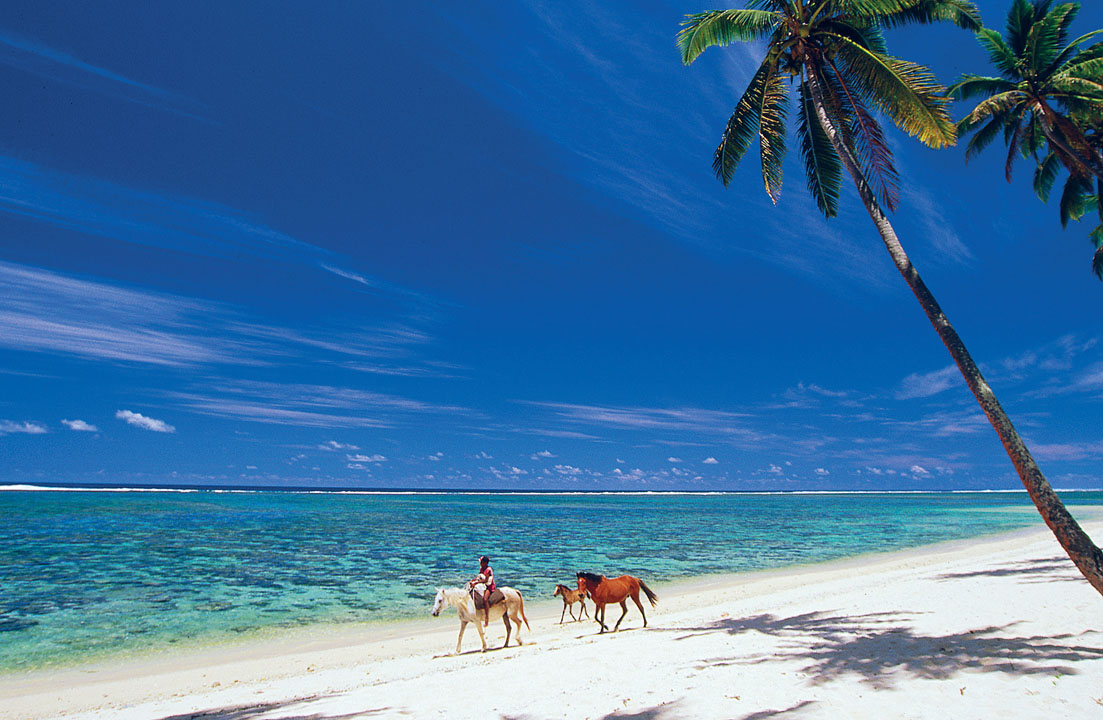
(559, 590)
(438, 602)
(587, 581)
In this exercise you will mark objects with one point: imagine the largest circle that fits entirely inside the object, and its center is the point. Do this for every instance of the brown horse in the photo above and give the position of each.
(603, 590)
(570, 597)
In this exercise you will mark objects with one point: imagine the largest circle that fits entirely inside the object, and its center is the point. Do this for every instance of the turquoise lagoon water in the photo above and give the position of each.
(85, 574)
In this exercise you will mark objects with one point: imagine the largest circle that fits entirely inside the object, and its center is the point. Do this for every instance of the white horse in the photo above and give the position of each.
(513, 607)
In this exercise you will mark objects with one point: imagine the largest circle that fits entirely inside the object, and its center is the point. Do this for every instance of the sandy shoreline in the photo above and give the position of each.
(979, 628)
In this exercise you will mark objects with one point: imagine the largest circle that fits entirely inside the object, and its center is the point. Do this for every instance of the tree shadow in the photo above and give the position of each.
(766, 714)
(878, 648)
(257, 710)
(1054, 569)
(819, 624)
(670, 710)
(657, 712)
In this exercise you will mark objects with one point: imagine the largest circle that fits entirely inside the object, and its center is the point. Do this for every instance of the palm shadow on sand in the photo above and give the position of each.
(258, 710)
(1040, 570)
(880, 648)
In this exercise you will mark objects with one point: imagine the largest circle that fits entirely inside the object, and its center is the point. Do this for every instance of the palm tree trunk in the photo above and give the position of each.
(1080, 548)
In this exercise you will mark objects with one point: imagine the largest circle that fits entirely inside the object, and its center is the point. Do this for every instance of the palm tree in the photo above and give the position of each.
(836, 49)
(1049, 94)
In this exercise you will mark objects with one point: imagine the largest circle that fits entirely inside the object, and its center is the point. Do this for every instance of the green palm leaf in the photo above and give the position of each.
(1020, 19)
(822, 167)
(1002, 55)
(1075, 199)
(772, 112)
(984, 137)
(962, 13)
(723, 27)
(742, 125)
(971, 86)
(1044, 41)
(1045, 175)
(905, 92)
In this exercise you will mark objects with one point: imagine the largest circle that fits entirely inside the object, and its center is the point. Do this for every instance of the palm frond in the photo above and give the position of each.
(822, 168)
(999, 52)
(983, 138)
(1072, 55)
(772, 112)
(742, 126)
(970, 86)
(723, 27)
(997, 105)
(1012, 135)
(905, 92)
(1097, 259)
(962, 13)
(1099, 197)
(1044, 41)
(867, 140)
(1045, 175)
(1075, 199)
(1020, 18)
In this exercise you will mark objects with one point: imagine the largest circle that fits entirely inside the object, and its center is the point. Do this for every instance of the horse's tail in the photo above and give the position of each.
(522, 611)
(649, 593)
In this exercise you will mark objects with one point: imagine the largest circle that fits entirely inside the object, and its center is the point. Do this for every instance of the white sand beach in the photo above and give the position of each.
(998, 627)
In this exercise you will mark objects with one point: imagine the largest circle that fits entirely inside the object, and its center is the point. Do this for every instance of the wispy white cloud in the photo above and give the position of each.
(1068, 451)
(305, 405)
(8, 427)
(144, 422)
(646, 418)
(543, 454)
(43, 311)
(925, 385)
(79, 426)
(711, 461)
(55, 64)
(939, 230)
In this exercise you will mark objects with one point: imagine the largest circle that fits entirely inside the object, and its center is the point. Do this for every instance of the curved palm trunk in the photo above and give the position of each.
(1072, 538)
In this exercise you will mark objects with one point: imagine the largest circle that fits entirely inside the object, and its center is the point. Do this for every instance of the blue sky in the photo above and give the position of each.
(480, 245)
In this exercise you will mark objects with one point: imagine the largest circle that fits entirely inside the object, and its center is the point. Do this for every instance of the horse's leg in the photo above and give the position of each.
(624, 611)
(459, 641)
(583, 610)
(478, 623)
(517, 621)
(570, 609)
(505, 619)
(564, 612)
(599, 616)
(636, 599)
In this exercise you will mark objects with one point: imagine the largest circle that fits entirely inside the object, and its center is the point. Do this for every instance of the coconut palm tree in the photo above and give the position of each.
(1048, 96)
(834, 52)
(1042, 73)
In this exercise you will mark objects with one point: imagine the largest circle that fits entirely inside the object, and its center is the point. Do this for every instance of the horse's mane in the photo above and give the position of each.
(590, 577)
(455, 596)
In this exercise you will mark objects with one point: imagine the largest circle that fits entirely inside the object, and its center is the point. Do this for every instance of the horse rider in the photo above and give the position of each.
(485, 577)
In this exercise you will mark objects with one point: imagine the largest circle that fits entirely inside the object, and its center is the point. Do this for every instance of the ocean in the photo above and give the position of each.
(91, 574)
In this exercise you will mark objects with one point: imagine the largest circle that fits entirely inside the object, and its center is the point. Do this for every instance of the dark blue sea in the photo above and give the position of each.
(87, 574)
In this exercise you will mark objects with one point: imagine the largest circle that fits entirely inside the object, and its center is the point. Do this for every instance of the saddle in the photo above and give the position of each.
(481, 602)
